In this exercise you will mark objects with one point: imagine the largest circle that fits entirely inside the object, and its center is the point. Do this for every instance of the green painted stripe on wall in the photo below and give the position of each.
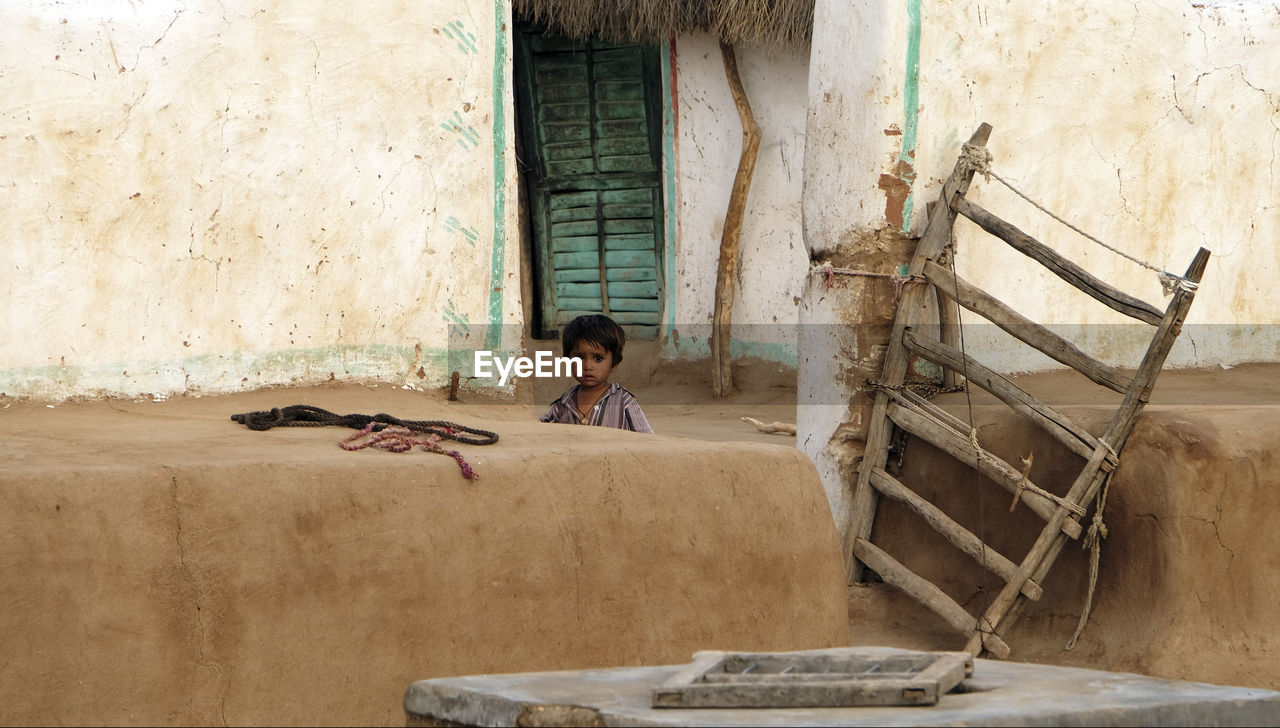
(910, 110)
(502, 14)
(669, 188)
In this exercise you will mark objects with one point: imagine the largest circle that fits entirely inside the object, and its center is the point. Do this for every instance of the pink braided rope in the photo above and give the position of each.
(400, 439)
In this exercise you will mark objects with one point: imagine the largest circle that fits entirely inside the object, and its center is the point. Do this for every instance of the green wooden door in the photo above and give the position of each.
(590, 116)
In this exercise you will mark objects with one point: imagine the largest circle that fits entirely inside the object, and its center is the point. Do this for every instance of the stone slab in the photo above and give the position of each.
(999, 693)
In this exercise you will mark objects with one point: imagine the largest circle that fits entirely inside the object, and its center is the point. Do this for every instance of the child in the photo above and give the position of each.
(597, 341)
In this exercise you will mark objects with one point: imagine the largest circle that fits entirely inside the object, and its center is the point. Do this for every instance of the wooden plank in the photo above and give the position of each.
(576, 275)
(548, 72)
(577, 290)
(580, 149)
(629, 241)
(642, 289)
(1023, 328)
(627, 163)
(621, 127)
(619, 90)
(582, 244)
(629, 227)
(630, 258)
(631, 304)
(570, 167)
(958, 535)
(565, 261)
(562, 200)
(1060, 266)
(618, 212)
(564, 112)
(1077, 439)
(564, 131)
(572, 214)
(880, 429)
(620, 109)
(926, 593)
(644, 318)
(993, 468)
(643, 195)
(582, 303)
(1003, 610)
(575, 228)
(643, 273)
(610, 146)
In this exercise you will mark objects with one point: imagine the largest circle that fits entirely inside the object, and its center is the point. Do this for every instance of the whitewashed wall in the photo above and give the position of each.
(210, 196)
(773, 259)
(1152, 126)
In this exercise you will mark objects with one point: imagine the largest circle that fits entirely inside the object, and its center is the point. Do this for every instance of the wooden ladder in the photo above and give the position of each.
(897, 407)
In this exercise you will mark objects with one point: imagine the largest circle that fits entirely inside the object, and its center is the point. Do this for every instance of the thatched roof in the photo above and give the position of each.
(748, 22)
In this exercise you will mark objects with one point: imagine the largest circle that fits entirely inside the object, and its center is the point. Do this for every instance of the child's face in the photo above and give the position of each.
(597, 363)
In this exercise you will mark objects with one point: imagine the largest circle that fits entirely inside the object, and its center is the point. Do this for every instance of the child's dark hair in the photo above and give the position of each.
(598, 329)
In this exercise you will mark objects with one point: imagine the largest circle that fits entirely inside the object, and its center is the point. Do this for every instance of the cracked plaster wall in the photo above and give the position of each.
(211, 196)
(773, 261)
(1152, 126)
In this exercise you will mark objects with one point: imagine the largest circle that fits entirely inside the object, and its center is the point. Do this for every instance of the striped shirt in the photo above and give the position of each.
(616, 408)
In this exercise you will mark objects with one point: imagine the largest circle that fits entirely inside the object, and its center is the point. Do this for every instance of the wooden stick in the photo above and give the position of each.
(772, 428)
(726, 271)
(1060, 266)
(926, 593)
(958, 535)
(880, 430)
(1023, 328)
(1061, 427)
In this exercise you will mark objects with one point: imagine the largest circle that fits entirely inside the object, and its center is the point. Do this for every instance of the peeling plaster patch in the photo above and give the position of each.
(897, 190)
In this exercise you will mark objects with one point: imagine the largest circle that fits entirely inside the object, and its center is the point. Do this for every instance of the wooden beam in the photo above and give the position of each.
(958, 535)
(993, 468)
(1063, 268)
(893, 371)
(1023, 328)
(726, 271)
(1061, 427)
(926, 593)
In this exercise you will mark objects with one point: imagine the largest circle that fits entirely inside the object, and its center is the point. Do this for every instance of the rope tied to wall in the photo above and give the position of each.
(829, 272)
(979, 159)
(384, 431)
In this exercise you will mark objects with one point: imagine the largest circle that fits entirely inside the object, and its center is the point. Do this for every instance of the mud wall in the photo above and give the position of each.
(212, 196)
(289, 582)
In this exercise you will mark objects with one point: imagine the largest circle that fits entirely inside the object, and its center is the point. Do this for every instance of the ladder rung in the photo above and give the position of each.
(958, 535)
(1058, 265)
(957, 445)
(1024, 329)
(1061, 427)
(926, 593)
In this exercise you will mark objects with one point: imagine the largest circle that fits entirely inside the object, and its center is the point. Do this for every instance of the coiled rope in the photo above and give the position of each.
(384, 431)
